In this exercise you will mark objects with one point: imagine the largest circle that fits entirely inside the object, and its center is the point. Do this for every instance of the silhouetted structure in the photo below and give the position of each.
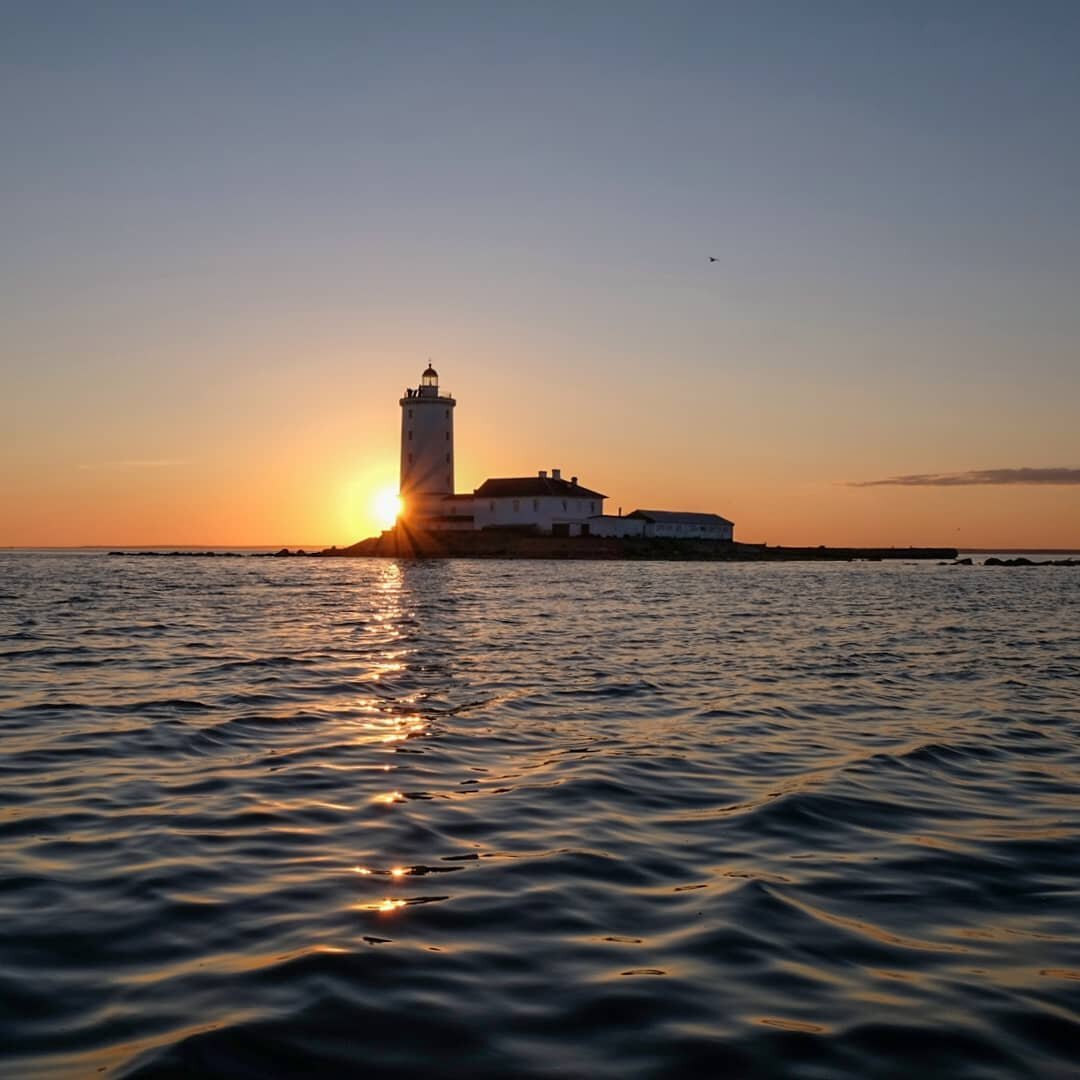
(544, 504)
(427, 448)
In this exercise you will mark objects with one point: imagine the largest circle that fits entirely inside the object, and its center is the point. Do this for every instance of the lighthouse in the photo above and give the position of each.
(427, 447)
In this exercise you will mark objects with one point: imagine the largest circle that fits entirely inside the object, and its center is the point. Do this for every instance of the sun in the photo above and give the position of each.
(387, 505)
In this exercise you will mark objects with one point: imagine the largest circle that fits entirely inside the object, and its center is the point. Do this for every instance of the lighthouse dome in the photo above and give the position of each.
(430, 379)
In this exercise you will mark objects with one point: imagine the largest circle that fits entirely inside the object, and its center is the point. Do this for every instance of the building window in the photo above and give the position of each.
(491, 506)
(592, 508)
(517, 505)
(564, 505)
(536, 505)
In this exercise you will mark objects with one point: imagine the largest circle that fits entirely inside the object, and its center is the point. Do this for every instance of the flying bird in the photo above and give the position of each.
(712, 258)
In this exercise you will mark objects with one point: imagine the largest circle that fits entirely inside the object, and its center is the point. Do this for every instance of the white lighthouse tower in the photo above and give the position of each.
(427, 447)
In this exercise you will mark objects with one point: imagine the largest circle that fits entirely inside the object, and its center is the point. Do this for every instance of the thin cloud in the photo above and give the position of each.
(164, 463)
(977, 477)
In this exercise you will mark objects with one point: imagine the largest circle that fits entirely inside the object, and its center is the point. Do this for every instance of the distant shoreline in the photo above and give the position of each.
(812, 553)
(269, 549)
(412, 543)
(567, 549)
(261, 550)
(1018, 551)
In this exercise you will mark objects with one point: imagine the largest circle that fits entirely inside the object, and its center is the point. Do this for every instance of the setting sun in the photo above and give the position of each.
(387, 505)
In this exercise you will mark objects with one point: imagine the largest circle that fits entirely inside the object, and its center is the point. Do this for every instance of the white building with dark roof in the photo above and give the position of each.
(547, 504)
(679, 525)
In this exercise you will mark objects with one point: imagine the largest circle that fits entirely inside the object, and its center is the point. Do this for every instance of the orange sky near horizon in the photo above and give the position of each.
(727, 258)
(780, 469)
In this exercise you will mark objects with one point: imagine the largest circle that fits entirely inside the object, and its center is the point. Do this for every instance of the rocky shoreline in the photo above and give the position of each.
(502, 546)
(1021, 561)
(405, 543)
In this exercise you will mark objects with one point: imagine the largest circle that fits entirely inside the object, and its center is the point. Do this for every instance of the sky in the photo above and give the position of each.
(231, 234)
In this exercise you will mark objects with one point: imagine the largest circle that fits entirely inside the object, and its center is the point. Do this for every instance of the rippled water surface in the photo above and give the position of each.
(296, 817)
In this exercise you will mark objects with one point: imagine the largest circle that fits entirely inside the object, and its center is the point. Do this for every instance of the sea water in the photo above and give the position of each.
(537, 819)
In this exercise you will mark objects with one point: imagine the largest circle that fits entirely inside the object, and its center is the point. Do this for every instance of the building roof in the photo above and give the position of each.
(678, 517)
(524, 486)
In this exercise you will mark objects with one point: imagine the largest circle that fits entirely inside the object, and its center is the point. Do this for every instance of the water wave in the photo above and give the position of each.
(279, 817)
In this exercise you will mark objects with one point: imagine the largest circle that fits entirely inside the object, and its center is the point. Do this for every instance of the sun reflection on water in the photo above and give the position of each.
(396, 728)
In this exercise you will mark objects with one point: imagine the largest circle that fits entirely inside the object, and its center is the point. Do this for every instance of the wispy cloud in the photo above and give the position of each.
(977, 477)
(163, 463)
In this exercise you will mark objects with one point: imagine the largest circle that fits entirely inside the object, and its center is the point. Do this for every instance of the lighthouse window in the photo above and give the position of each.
(447, 459)
(491, 506)
(536, 504)
(564, 504)
(410, 434)
(448, 436)
(517, 505)
(410, 459)
(410, 414)
(447, 414)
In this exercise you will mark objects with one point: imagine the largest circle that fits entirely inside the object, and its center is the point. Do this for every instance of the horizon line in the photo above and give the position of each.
(985, 549)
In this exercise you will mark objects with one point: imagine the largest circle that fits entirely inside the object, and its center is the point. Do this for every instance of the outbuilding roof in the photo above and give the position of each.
(679, 517)
(524, 486)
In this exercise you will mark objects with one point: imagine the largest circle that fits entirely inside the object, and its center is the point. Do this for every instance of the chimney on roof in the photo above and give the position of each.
(573, 479)
(543, 474)
(556, 474)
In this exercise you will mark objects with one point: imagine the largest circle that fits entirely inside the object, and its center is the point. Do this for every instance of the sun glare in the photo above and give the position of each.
(387, 507)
